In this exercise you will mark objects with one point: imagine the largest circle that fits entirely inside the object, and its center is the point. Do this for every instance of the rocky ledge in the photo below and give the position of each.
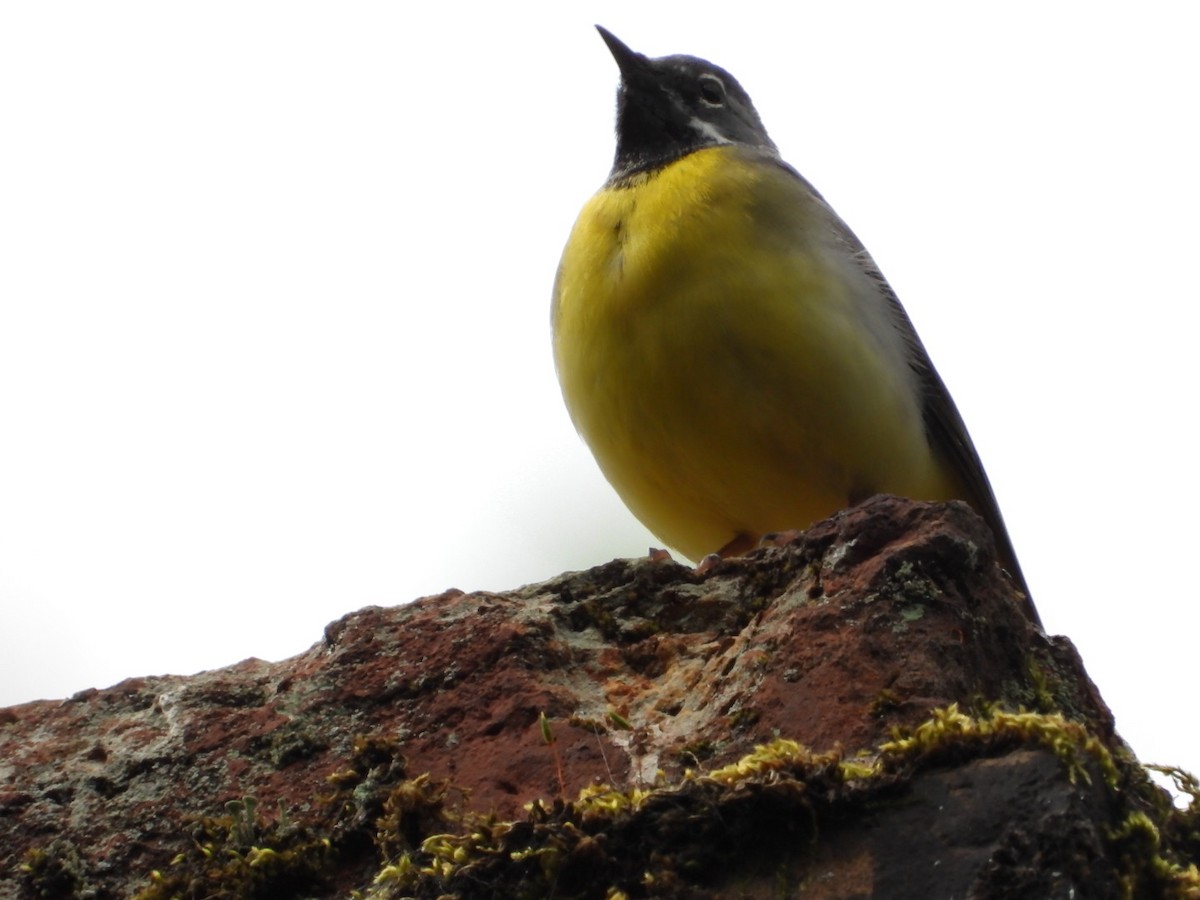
(866, 710)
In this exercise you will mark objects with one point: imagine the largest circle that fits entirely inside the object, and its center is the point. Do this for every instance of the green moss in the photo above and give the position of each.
(242, 856)
(373, 811)
(290, 744)
(696, 752)
(54, 871)
(885, 701)
(744, 718)
(1148, 868)
(745, 820)
(757, 821)
(1182, 826)
(1042, 692)
(952, 734)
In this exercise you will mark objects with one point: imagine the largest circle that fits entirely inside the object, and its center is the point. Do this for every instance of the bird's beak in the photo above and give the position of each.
(629, 61)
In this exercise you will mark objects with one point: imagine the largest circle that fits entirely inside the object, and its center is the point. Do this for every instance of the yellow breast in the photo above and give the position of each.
(732, 368)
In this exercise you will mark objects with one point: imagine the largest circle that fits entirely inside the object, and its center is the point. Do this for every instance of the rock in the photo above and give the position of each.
(874, 631)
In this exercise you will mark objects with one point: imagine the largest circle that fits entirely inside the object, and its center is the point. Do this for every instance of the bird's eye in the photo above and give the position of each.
(712, 90)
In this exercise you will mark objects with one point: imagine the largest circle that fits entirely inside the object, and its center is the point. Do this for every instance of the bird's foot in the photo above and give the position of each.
(779, 538)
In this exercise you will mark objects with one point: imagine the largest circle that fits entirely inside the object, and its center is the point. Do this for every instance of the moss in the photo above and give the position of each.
(373, 811)
(885, 702)
(55, 871)
(290, 744)
(952, 735)
(412, 810)
(746, 717)
(747, 819)
(241, 856)
(1148, 869)
(635, 843)
(758, 821)
(1182, 826)
(696, 752)
(1042, 693)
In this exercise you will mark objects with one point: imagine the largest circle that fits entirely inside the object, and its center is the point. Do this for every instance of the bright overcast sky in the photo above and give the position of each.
(274, 287)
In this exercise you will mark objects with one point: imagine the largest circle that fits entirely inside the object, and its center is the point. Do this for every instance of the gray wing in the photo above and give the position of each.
(944, 427)
(948, 436)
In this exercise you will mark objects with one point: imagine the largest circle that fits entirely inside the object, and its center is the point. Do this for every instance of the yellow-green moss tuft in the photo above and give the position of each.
(758, 818)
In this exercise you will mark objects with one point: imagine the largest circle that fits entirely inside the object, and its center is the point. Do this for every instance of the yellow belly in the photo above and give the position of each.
(732, 372)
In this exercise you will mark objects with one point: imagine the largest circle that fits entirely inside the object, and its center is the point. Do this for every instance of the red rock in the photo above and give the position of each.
(867, 622)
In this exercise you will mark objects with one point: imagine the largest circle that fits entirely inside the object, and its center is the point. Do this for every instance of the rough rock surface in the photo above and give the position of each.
(642, 669)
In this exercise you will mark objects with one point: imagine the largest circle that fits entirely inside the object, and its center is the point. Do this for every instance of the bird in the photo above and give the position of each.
(725, 345)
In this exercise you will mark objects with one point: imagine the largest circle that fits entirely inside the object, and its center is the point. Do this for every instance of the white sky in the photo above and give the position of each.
(274, 286)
